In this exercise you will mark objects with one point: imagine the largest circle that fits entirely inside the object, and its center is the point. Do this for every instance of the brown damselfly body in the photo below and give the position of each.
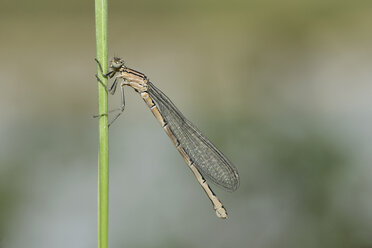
(202, 157)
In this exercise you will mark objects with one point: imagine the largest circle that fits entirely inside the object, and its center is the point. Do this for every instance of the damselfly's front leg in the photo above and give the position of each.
(110, 74)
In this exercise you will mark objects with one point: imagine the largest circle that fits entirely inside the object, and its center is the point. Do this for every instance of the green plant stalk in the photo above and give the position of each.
(103, 165)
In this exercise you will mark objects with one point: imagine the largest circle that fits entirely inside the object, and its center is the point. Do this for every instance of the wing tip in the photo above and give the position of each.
(236, 183)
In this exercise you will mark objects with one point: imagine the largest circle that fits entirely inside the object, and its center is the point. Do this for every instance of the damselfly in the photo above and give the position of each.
(202, 157)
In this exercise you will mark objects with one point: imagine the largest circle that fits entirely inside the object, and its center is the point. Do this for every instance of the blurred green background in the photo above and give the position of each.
(283, 88)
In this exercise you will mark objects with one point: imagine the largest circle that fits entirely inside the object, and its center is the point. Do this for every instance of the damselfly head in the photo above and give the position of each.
(116, 63)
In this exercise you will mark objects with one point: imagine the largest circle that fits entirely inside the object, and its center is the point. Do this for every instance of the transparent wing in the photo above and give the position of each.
(211, 163)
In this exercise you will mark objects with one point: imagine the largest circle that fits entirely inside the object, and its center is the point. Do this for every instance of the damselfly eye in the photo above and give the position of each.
(117, 63)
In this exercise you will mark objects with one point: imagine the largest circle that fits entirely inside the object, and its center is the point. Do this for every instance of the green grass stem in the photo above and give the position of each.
(103, 162)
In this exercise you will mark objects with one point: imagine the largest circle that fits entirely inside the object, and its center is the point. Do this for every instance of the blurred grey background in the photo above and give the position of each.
(283, 88)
